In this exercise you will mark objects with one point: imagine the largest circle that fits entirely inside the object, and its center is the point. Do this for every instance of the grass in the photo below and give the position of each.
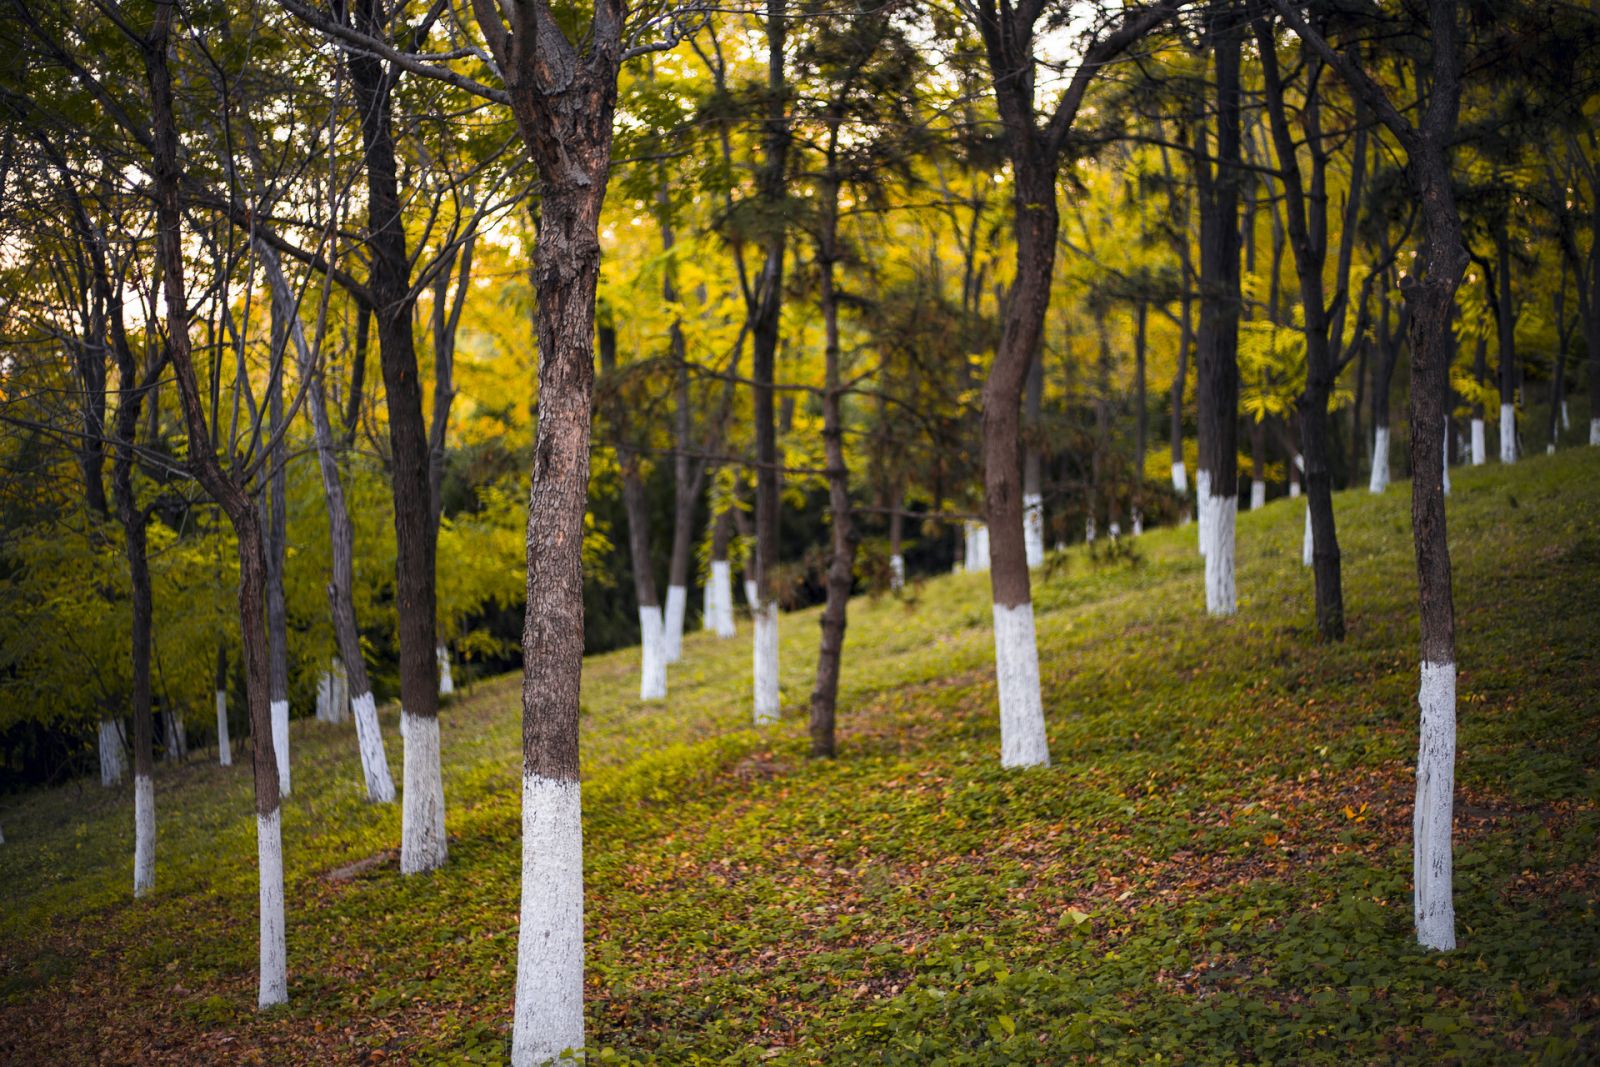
(1215, 869)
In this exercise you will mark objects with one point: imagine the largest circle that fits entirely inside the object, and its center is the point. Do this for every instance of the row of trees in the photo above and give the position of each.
(960, 245)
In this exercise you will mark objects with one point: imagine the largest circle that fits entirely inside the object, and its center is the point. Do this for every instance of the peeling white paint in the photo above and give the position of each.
(1202, 491)
(897, 572)
(677, 605)
(1306, 545)
(224, 743)
(1380, 461)
(1258, 494)
(1480, 450)
(447, 683)
(144, 835)
(1033, 527)
(1432, 901)
(374, 762)
(280, 742)
(719, 599)
(113, 765)
(1016, 668)
(1220, 594)
(1180, 479)
(652, 654)
(1508, 433)
(765, 666)
(548, 1017)
(422, 840)
(274, 976)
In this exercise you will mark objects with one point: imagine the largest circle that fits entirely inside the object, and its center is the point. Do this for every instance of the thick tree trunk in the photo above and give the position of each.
(350, 663)
(422, 832)
(1218, 339)
(719, 588)
(652, 643)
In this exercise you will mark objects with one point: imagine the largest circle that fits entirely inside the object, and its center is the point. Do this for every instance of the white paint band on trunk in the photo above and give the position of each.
(1508, 433)
(1138, 522)
(1220, 595)
(652, 654)
(750, 599)
(719, 597)
(764, 668)
(1446, 457)
(1307, 545)
(374, 761)
(1016, 670)
(1594, 431)
(224, 742)
(548, 1017)
(1033, 527)
(1431, 870)
(280, 742)
(1380, 461)
(1480, 450)
(447, 682)
(1258, 494)
(1180, 479)
(422, 840)
(1088, 530)
(1566, 416)
(112, 764)
(677, 605)
(274, 977)
(1202, 491)
(144, 835)
(897, 572)
(324, 697)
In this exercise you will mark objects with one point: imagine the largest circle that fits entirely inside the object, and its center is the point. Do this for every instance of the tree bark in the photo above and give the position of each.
(1506, 331)
(275, 526)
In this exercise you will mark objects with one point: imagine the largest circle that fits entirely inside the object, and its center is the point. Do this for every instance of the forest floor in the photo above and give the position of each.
(1215, 869)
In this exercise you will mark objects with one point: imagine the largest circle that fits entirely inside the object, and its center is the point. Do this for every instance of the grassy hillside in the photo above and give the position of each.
(1215, 869)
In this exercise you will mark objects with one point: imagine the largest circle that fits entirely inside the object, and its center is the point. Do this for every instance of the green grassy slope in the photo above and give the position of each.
(1215, 869)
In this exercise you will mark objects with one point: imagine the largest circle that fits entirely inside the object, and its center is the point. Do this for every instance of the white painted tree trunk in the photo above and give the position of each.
(1380, 461)
(2, 837)
(677, 605)
(765, 666)
(1221, 598)
(273, 985)
(1480, 449)
(1508, 433)
(1138, 522)
(1447, 463)
(324, 696)
(340, 691)
(144, 835)
(422, 840)
(224, 744)
(1431, 865)
(177, 736)
(548, 1018)
(447, 683)
(1258, 494)
(719, 599)
(1306, 545)
(1594, 431)
(1115, 531)
(113, 764)
(977, 556)
(1180, 479)
(374, 767)
(1033, 528)
(652, 654)
(1088, 530)
(280, 742)
(897, 572)
(1566, 418)
(1016, 667)
(1202, 492)
(750, 598)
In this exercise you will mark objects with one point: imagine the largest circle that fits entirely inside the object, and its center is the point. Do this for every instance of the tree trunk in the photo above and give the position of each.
(897, 559)
(652, 643)
(341, 536)
(241, 511)
(224, 744)
(1180, 478)
(275, 526)
(1506, 328)
(688, 474)
(1142, 433)
(1480, 371)
(1218, 340)
(422, 832)
(719, 588)
(1032, 498)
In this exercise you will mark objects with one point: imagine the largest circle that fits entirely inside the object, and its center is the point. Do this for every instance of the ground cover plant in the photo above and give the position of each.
(1216, 867)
